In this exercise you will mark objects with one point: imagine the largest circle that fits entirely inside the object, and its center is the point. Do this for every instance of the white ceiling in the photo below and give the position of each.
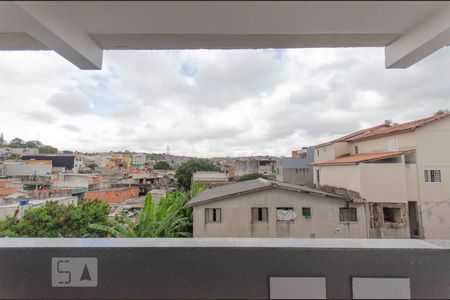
(80, 30)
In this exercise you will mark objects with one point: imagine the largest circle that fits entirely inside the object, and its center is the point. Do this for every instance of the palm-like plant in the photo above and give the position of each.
(169, 218)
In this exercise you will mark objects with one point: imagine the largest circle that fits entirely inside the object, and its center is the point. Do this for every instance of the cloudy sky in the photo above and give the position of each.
(213, 103)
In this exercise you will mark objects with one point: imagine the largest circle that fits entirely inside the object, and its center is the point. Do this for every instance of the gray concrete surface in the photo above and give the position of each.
(219, 268)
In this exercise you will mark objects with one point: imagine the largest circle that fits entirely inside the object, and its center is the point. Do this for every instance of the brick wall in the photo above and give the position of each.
(114, 195)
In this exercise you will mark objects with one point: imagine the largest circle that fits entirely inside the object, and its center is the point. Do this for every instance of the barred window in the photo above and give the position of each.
(259, 214)
(347, 214)
(432, 175)
(213, 215)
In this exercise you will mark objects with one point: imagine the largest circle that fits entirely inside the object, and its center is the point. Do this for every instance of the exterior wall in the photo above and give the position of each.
(404, 141)
(344, 176)
(341, 149)
(27, 169)
(236, 217)
(433, 152)
(296, 170)
(384, 182)
(302, 176)
(332, 151)
(411, 182)
(58, 161)
(113, 195)
(19, 151)
(324, 153)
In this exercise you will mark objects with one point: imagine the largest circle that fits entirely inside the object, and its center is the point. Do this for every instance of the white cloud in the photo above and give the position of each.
(71, 103)
(208, 103)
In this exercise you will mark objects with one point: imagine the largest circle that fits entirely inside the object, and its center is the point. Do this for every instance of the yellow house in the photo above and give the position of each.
(400, 170)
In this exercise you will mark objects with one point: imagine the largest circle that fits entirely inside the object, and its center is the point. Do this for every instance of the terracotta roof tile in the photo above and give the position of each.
(383, 129)
(358, 158)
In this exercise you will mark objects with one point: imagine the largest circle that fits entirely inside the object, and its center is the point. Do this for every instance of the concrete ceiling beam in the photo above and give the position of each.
(52, 28)
(428, 36)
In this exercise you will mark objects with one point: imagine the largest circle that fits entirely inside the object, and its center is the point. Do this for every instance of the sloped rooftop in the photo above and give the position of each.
(249, 186)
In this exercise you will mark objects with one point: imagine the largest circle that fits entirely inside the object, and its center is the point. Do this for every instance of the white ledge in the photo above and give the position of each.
(303, 243)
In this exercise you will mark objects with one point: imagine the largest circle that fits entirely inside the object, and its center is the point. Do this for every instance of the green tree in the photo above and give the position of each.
(168, 218)
(92, 166)
(57, 220)
(13, 157)
(250, 176)
(184, 171)
(48, 150)
(123, 164)
(162, 165)
(17, 141)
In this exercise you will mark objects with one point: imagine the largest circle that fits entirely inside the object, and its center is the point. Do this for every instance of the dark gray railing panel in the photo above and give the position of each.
(219, 268)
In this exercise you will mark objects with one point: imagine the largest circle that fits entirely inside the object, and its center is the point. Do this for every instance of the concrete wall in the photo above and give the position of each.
(219, 268)
(26, 169)
(113, 195)
(343, 176)
(384, 182)
(302, 176)
(433, 152)
(236, 217)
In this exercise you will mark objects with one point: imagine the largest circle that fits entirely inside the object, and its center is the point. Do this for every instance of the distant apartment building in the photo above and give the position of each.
(210, 177)
(27, 168)
(265, 166)
(296, 169)
(101, 160)
(139, 159)
(402, 171)
(265, 208)
(60, 162)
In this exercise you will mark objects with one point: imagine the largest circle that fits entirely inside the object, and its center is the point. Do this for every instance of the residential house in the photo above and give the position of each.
(401, 170)
(60, 162)
(296, 169)
(265, 208)
(262, 165)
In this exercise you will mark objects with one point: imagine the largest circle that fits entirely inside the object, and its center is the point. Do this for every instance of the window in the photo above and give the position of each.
(213, 215)
(317, 152)
(392, 145)
(306, 212)
(324, 149)
(318, 177)
(392, 214)
(356, 150)
(286, 214)
(259, 214)
(432, 175)
(347, 214)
